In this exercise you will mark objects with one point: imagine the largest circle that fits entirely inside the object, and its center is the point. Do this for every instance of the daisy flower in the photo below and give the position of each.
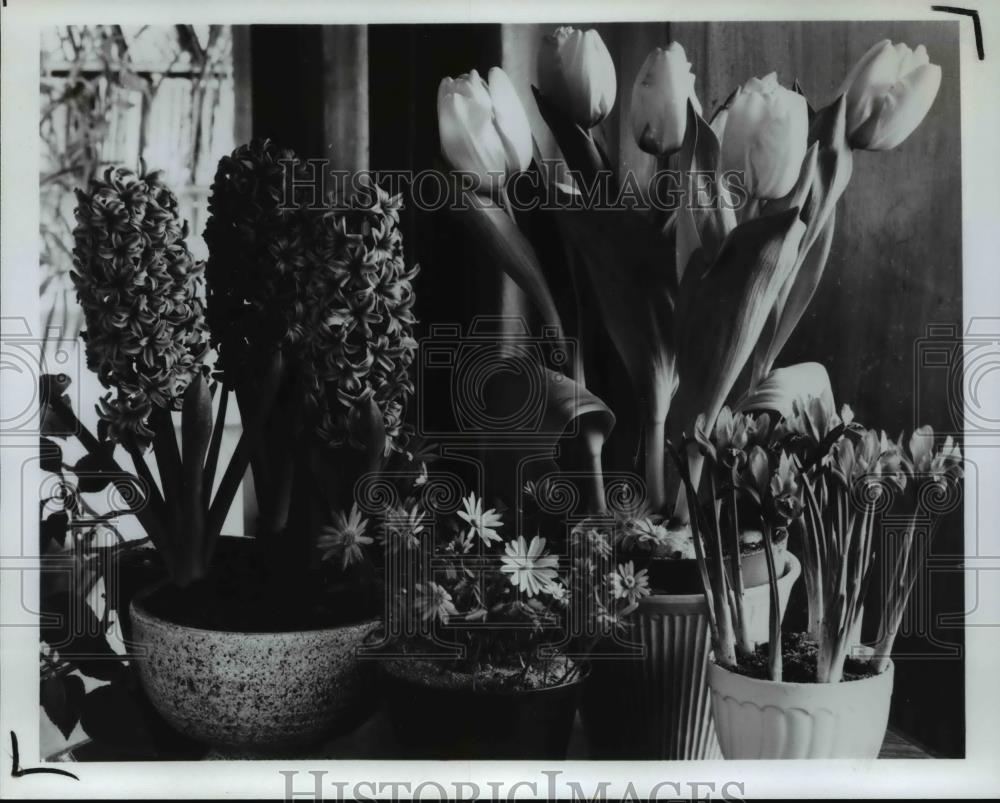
(530, 568)
(345, 537)
(434, 602)
(628, 584)
(483, 524)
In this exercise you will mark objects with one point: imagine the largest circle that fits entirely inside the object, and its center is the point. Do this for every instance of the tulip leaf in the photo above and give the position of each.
(807, 279)
(509, 250)
(721, 315)
(578, 147)
(783, 387)
(700, 159)
(834, 163)
(626, 263)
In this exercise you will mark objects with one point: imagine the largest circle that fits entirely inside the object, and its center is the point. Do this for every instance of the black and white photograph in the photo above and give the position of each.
(416, 403)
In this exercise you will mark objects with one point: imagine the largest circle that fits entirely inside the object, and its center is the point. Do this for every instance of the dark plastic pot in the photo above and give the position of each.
(444, 723)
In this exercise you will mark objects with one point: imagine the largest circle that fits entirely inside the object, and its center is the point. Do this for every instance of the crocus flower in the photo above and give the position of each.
(483, 126)
(889, 91)
(764, 134)
(660, 94)
(576, 74)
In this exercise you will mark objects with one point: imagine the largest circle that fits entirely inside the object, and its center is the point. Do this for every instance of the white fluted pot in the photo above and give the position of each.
(762, 719)
(657, 705)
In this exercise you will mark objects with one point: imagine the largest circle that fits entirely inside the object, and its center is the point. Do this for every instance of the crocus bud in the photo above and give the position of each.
(483, 127)
(576, 74)
(764, 134)
(659, 100)
(889, 91)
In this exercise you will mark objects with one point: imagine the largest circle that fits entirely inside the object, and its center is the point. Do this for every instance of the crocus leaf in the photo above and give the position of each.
(781, 388)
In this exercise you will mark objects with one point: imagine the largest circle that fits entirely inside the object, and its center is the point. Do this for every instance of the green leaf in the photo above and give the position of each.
(112, 715)
(50, 456)
(92, 474)
(578, 148)
(702, 226)
(508, 249)
(781, 388)
(722, 312)
(61, 697)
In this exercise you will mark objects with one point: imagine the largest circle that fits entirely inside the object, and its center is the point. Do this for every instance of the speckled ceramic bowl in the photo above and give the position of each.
(253, 693)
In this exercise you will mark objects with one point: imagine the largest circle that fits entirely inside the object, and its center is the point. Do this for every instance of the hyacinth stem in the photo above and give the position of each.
(774, 608)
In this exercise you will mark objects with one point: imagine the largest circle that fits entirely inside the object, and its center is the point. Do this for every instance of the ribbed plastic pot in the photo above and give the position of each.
(762, 719)
(253, 694)
(657, 705)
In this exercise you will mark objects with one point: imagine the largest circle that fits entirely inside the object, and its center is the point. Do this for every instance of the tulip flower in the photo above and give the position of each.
(764, 134)
(889, 91)
(483, 126)
(659, 100)
(576, 74)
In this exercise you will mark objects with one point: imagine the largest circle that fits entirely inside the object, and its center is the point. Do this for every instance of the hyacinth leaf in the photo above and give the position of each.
(578, 147)
(700, 225)
(196, 434)
(510, 251)
(248, 443)
(783, 387)
(626, 263)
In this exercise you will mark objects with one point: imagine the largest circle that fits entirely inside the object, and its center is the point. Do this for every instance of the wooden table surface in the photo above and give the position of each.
(374, 740)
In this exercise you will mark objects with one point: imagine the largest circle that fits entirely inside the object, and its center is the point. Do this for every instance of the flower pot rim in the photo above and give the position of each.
(797, 685)
(580, 677)
(793, 568)
(138, 610)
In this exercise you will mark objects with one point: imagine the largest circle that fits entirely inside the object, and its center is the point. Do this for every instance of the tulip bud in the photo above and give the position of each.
(764, 134)
(577, 75)
(483, 127)
(889, 91)
(659, 100)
